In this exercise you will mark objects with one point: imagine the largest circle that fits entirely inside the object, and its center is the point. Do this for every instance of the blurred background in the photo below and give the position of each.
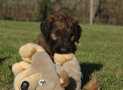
(100, 50)
(103, 11)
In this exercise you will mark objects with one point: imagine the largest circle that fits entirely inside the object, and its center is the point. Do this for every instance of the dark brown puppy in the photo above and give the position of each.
(60, 32)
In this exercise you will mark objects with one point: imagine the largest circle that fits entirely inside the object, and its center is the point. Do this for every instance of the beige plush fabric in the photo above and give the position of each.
(71, 65)
(26, 51)
(41, 75)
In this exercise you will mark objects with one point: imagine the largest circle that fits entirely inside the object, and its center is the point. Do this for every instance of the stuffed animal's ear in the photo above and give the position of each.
(77, 32)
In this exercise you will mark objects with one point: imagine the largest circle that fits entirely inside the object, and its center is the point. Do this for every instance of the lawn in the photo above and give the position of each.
(100, 50)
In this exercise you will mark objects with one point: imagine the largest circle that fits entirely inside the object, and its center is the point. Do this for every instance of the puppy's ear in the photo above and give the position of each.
(77, 32)
(46, 28)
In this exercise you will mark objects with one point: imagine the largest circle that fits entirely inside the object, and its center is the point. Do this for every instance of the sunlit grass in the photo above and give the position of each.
(99, 44)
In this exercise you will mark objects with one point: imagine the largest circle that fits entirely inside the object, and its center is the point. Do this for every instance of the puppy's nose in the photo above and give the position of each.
(24, 85)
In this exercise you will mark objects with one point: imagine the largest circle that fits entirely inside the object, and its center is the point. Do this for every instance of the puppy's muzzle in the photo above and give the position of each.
(63, 50)
(24, 85)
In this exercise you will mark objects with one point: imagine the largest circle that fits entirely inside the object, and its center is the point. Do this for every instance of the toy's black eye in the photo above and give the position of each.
(24, 85)
(42, 82)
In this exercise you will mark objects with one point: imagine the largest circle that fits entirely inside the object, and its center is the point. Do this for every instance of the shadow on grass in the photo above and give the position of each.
(87, 69)
(5, 72)
(3, 59)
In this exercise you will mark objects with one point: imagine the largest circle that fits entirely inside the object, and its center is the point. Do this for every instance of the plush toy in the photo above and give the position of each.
(70, 64)
(26, 52)
(37, 71)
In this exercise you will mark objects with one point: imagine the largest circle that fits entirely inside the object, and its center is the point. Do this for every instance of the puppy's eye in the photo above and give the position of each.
(53, 36)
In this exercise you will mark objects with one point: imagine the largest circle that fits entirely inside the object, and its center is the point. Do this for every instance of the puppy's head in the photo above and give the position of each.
(61, 33)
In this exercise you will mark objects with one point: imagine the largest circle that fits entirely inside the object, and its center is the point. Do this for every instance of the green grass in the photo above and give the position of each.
(99, 44)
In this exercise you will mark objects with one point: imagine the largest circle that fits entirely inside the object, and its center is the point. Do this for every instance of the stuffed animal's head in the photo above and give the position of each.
(28, 50)
(41, 75)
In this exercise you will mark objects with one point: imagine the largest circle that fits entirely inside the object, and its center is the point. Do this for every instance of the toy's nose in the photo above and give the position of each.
(24, 85)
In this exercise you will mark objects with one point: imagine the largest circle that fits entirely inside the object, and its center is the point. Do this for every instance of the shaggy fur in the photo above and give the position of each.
(60, 33)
